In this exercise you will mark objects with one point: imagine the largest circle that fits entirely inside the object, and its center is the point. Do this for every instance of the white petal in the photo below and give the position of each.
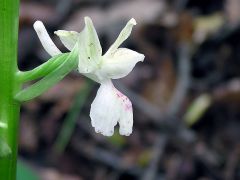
(46, 41)
(90, 50)
(120, 63)
(124, 34)
(68, 38)
(105, 110)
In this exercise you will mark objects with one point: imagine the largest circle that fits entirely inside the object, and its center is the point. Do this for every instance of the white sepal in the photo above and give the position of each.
(124, 34)
(90, 50)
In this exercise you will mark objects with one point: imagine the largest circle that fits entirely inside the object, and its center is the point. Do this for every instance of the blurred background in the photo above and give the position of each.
(185, 95)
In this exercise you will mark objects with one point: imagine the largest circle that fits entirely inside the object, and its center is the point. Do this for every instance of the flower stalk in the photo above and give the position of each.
(9, 108)
(11, 80)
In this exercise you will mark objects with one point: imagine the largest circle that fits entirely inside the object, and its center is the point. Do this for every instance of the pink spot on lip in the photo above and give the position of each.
(128, 106)
(127, 103)
(119, 94)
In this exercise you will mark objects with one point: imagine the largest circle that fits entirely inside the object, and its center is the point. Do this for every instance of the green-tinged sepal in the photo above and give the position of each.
(51, 79)
(90, 50)
(68, 38)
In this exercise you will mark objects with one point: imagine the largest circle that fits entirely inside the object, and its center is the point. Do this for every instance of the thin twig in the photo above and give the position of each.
(174, 106)
(232, 162)
(183, 81)
(158, 149)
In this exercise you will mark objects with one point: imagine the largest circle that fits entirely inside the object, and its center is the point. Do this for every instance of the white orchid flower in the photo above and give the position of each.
(110, 106)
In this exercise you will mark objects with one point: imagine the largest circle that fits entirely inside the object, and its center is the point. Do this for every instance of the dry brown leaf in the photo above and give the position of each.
(115, 14)
(159, 90)
(52, 174)
(30, 12)
(28, 138)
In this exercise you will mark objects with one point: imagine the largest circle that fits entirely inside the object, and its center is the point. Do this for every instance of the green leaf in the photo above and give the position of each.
(197, 109)
(144, 158)
(72, 116)
(5, 150)
(51, 79)
(117, 140)
(24, 172)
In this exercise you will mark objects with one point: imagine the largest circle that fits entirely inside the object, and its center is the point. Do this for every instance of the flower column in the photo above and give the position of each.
(9, 108)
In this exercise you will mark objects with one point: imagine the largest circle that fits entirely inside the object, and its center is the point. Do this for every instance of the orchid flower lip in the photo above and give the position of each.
(45, 39)
(115, 108)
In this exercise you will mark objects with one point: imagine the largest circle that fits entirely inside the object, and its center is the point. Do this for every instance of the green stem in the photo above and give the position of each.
(9, 108)
(41, 70)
